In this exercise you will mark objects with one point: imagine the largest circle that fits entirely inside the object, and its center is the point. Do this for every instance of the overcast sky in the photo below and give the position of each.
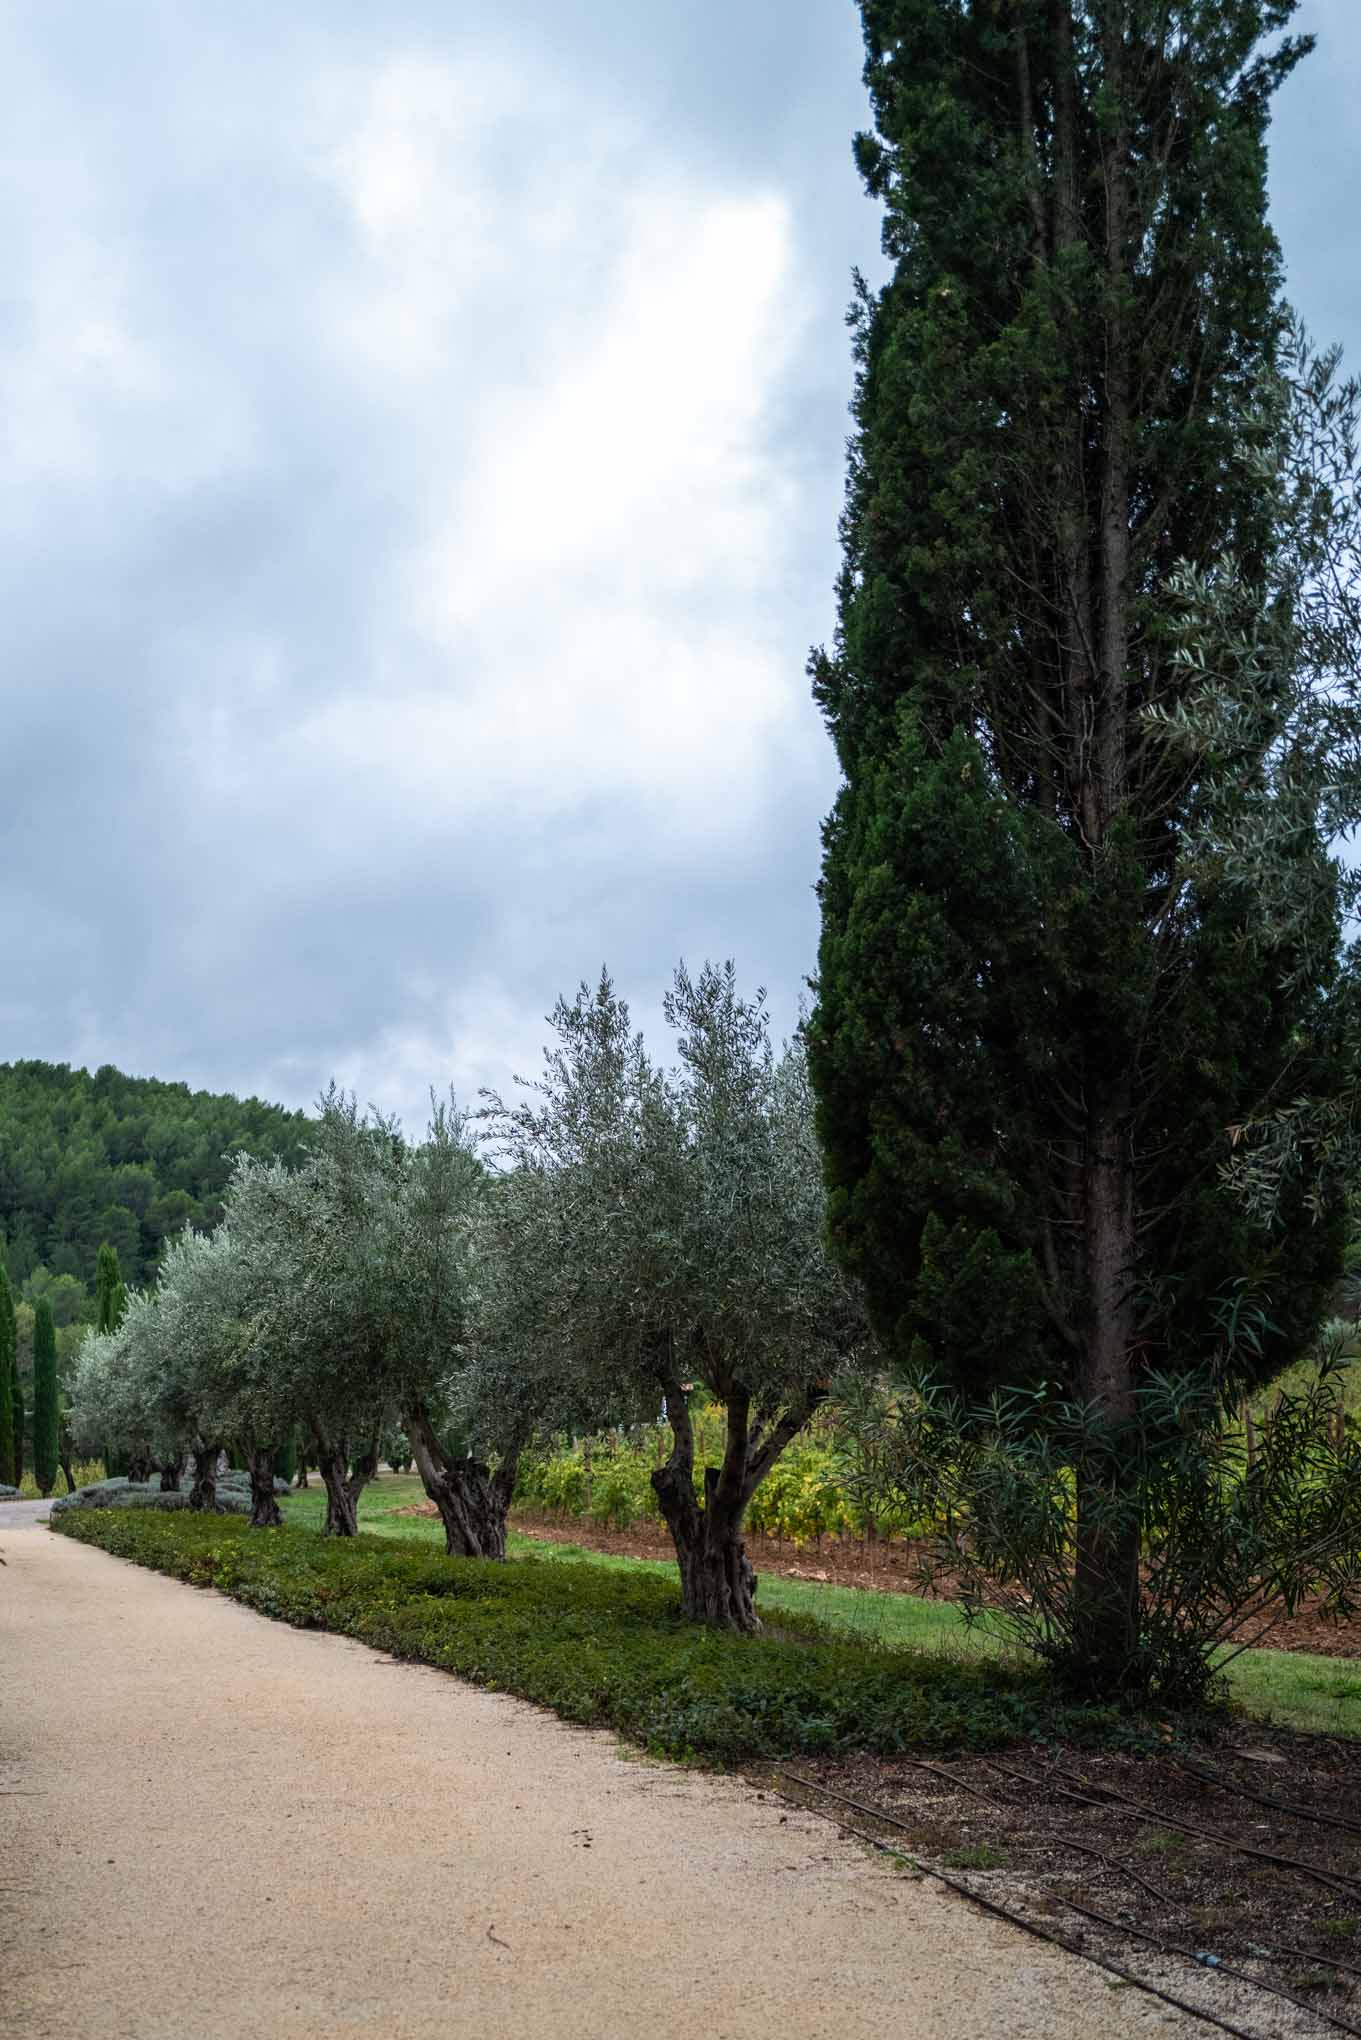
(423, 437)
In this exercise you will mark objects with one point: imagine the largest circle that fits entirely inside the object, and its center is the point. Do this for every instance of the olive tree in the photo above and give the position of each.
(125, 1396)
(407, 1249)
(665, 1229)
(303, 1235)
(217, 1318)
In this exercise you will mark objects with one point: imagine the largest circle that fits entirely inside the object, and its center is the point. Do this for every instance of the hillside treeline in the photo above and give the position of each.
(130, 1160)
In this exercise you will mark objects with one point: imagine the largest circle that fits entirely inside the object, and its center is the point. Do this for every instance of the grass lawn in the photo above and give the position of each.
(1304, 1692)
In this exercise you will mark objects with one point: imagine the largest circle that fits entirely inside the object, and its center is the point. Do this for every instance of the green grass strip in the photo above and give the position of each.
(608, 1646)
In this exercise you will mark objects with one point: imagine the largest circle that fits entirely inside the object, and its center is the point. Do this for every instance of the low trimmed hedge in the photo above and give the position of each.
(607, 1647)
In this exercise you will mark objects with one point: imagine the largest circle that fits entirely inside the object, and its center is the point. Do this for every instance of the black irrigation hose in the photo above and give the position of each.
(1115, 1863)
(961, 1784)
(1116, 1802)
(1279, 1954)
(1270, 1799)
(1219, 1967)
(1003, 1912)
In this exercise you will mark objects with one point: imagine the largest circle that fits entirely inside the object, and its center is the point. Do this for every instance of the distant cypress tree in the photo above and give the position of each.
(45, 1405)
(17, 1394)
(8, 1377)
(110, 1303)
(108, 1280)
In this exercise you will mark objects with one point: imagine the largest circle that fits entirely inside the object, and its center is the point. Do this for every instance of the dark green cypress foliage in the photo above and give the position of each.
(8, 1382)
(46, 1411)
(1032, 1035)
(20, 1419)
(110, 1303)
(286, 1460)
(107, 1283)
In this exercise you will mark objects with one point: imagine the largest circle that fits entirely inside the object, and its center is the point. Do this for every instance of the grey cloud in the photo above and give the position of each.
(425, 441)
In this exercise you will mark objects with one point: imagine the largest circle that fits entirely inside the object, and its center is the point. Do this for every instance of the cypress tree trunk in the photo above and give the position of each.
(1106, 1570)
(473, 1502)
(203, 1493)
(265, 1513)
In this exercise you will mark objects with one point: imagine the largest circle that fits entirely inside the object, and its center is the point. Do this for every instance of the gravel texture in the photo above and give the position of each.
(19, 1514)
(219, 1825)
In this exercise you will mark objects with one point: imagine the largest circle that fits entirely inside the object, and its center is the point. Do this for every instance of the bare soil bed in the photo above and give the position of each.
(1246, 1857)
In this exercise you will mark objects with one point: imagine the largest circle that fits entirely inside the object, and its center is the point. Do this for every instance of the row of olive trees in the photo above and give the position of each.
(626, 1232)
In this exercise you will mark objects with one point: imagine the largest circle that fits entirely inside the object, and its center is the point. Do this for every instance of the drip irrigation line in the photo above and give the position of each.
(1119, 1866)
(1002, 1912)
(1219, 1967)
(951, 1778)
(1269, 1799)
(1302, 1955)
(1111, 1800)
(1084, 1849)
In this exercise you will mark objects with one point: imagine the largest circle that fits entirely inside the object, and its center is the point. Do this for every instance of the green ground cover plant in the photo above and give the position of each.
(608, 1646)
(1295, 1688)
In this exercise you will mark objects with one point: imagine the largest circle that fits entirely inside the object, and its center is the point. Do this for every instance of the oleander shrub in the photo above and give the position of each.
(609, 1647)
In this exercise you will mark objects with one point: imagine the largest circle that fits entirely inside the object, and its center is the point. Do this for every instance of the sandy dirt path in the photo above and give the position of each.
(215, 1825)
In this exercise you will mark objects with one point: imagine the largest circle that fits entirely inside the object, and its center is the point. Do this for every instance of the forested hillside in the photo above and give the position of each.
(125, 1159)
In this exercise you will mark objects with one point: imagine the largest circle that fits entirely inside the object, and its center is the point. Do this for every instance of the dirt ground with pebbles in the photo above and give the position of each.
(214, 1824)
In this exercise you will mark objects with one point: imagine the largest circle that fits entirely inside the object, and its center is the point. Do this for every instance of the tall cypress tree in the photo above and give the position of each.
(45, 1402)
(1036, 1020)
(108, 1282)
(8, 1376)
(17, 1391)
(110, 1303)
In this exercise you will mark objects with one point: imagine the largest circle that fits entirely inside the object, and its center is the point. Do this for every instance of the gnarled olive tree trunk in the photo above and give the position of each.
(718, 1584)
(473, 1502)
(203, 1493)
(265, 1513)
(171, 1469)
(345, 1483)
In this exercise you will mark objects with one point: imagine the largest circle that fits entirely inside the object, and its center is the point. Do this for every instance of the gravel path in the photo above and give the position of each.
(223, 1826)
(18, 1515)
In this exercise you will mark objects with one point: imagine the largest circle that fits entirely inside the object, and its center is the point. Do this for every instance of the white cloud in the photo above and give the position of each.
(409, 547)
